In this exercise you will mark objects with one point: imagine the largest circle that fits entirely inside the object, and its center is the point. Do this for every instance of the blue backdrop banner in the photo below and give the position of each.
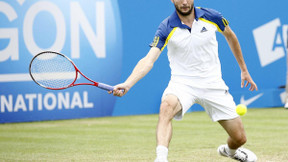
(89, 32)
(106, 39)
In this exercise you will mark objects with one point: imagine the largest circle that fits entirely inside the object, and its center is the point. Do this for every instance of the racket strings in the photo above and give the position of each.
(52, 70)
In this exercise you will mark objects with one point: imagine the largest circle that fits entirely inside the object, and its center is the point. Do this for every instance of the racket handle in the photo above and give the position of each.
(105, 87)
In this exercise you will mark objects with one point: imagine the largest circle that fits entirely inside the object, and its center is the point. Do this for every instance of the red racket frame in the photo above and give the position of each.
(97, 84)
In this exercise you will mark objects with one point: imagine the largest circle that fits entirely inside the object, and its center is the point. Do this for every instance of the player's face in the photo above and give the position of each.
(184, 7)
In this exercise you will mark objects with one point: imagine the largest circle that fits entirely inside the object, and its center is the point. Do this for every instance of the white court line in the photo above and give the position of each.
(26, 77)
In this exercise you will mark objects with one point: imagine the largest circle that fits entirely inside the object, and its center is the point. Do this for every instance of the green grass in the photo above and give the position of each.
(132, 138)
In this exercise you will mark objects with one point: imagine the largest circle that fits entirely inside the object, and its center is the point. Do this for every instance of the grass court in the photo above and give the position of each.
(132, 138)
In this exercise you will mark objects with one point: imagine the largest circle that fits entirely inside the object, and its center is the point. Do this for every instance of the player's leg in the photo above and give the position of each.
(236, 132)
(176, 100)
(237, 138)
(220, 106)
(170, 106)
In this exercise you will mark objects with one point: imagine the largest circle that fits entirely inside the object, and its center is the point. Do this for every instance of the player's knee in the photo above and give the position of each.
(243, 140)
(240, 139)
(168, 108)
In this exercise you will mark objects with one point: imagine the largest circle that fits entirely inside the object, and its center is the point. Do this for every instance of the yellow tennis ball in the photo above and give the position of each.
(241, 109)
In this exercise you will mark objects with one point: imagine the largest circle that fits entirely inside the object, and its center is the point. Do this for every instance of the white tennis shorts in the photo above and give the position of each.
(218, 103)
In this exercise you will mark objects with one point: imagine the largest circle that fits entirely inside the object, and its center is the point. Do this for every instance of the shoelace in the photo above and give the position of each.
(240, 155)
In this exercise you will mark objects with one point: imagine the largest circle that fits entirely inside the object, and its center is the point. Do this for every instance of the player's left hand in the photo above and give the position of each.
(245, 76)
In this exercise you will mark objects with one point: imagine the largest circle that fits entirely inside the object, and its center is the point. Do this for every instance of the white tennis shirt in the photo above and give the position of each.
(193, 52)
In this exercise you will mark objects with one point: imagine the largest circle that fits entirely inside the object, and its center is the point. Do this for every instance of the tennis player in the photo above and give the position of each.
(190, 36)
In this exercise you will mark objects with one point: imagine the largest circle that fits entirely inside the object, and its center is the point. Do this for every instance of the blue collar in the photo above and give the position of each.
(175, 21)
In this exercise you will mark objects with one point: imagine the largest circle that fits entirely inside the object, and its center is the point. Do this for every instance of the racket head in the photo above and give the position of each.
(53, 70)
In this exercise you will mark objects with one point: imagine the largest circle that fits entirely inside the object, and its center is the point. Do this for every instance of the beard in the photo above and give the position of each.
(184, 13)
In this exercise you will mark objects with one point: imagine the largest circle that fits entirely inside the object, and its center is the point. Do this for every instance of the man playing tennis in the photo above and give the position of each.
(190, 36)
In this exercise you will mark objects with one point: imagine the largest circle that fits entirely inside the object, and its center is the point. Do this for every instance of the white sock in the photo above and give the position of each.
(161, 152)
(231, 152)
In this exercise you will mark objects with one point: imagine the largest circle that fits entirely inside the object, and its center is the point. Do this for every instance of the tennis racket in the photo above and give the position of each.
(56, 71)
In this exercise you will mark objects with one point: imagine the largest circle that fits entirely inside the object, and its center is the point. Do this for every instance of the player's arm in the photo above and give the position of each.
(140, 70)
(236, 50)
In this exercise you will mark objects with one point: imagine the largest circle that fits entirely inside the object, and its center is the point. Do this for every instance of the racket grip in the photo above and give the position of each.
(105, 87)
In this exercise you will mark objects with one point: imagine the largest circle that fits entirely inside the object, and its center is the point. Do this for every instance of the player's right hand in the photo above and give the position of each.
(120, 90)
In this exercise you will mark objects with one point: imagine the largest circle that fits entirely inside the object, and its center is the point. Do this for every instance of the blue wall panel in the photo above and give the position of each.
(80, 29)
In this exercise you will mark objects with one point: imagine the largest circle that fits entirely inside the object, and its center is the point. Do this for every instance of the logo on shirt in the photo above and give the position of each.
(271, 41)
(203, 30)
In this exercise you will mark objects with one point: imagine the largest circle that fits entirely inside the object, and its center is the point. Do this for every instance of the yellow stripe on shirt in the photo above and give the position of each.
(225, 22)
(169, 36)
(210, 22)
(155, 41)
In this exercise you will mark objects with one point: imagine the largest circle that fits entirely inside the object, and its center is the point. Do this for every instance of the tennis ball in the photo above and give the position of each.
(241, 109)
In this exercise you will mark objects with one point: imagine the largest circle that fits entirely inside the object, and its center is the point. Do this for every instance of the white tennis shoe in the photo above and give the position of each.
(286, 105)
(161, 160)
(242, 154)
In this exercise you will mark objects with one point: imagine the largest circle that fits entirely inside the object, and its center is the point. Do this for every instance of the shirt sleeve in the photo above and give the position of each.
(160, 36)
(217, 18)
(221, 22)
